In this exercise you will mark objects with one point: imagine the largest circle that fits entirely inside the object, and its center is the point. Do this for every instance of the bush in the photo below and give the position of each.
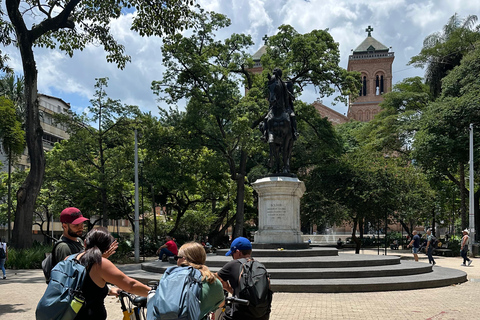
(27, 258)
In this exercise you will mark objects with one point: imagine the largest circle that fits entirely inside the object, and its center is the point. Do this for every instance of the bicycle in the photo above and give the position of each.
(219, 314)
(135, 307)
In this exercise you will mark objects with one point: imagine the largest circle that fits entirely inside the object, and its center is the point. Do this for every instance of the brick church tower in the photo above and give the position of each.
(374, 61)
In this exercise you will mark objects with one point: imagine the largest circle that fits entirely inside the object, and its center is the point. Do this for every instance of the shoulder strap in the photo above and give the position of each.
(54, 259)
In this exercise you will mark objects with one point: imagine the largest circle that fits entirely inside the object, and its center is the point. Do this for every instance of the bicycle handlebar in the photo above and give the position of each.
(137, 301)
(237, 301)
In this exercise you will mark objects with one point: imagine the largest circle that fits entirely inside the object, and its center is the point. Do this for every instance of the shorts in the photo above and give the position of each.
(415, 250)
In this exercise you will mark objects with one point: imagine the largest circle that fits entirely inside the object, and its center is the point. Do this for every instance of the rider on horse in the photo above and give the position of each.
(277, 73)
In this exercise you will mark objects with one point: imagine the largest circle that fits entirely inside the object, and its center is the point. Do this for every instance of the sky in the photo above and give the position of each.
(399, 24)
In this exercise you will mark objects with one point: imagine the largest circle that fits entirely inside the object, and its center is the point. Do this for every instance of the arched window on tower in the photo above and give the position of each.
(379, 86)
(364, 86)
(367, 115)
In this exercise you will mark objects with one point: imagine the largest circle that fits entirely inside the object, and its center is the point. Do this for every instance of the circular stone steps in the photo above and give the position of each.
(325, 270)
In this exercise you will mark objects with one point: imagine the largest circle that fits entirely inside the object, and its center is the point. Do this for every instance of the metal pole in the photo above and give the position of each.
(137, 224)
(471, 194)
(143, 213)
(386, 227)
(378, 236)
(154, 216)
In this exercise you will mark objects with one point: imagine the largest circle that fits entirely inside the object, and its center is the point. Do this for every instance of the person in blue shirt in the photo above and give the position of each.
(415, 244)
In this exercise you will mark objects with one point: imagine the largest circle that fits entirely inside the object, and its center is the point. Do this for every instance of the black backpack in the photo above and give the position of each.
(254, 286)
(50, 261)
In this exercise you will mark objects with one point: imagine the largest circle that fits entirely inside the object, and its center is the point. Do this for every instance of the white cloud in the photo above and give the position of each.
(402, 24)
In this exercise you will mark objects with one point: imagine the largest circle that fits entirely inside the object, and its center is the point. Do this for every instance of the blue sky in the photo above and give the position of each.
(400, 24)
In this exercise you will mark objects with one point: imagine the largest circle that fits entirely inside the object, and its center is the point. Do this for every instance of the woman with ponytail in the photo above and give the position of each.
(193, 254)
(100, 271)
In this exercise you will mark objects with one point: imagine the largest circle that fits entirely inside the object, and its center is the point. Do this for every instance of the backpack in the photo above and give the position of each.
(3, 255)
(254, 286)
(433, 242)
(177, 295)
(49, 262)
(64, 291)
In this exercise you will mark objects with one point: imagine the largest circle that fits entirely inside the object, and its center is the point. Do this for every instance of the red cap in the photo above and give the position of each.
(72, 215)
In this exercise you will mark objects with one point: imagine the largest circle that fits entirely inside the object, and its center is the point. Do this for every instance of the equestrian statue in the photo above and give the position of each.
(279, 127)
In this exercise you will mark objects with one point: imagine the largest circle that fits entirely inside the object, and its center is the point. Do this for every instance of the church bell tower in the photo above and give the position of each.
(374, 61)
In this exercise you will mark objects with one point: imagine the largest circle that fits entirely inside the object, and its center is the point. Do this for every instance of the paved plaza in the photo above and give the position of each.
(20, 293)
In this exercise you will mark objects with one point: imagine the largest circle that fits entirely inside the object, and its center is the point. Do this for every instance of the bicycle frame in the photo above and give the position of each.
(136, 306)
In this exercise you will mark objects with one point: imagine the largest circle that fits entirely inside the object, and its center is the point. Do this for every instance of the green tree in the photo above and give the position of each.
(442, 51)
(392, 131)
(442, 143)
(94, 166)
(70, 25)
(12, 139)
(210, 73)
(191, 179)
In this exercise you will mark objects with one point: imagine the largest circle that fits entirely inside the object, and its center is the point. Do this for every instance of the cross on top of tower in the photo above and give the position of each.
(369, 30)
(265, 38)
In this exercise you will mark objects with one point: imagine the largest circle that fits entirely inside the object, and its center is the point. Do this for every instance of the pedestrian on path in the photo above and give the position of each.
(464, 249)
(415, 244)
(3, 257)
(429, 248)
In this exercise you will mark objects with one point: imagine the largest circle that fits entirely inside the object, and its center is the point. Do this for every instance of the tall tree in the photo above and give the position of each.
(442, 51)
(96, 161)
(12, 139)
(70, 25)
(210, 73)
(442, 143)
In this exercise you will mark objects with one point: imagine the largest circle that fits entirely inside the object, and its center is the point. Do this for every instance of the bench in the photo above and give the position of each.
(443, 252)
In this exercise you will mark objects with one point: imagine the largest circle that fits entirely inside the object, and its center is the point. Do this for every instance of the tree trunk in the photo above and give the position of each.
(28, 192)
(240, 196)
(358, 243)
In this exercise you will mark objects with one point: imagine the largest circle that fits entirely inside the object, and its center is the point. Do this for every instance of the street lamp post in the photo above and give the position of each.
(471, 213)
(386, 227)
(137, 224)
(143, 211)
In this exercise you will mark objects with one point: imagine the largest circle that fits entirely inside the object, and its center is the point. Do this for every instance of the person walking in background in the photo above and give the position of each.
(169, 249)
(464, 248)
(415, 244)
(429, 248)
(3, 257)
(193, 254)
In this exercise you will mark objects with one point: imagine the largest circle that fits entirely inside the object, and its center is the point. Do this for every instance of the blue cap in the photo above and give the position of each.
(239, 243)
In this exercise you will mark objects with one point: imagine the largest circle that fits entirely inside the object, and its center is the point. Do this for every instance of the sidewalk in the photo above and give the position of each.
(22, 290)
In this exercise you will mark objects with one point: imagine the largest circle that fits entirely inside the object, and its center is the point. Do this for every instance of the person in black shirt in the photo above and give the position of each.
(229, 275)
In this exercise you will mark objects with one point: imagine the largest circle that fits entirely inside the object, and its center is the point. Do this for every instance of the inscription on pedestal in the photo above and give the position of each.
(276, 211)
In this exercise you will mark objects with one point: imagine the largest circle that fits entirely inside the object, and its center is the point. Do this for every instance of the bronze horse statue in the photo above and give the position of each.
(277, 127)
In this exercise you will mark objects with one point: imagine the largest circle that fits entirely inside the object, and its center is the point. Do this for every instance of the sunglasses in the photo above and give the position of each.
(177, 257)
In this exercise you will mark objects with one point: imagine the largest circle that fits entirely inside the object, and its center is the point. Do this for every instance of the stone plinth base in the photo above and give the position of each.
(279, 211)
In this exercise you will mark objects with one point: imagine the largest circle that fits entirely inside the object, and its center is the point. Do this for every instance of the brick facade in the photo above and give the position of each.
(333, 116)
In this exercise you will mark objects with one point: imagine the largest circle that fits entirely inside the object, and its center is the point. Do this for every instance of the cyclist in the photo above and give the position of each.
(193, 254)
(100, 271)
(230, 273)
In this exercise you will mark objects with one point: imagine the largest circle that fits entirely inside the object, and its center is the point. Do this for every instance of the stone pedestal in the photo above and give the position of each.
(279, 212)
